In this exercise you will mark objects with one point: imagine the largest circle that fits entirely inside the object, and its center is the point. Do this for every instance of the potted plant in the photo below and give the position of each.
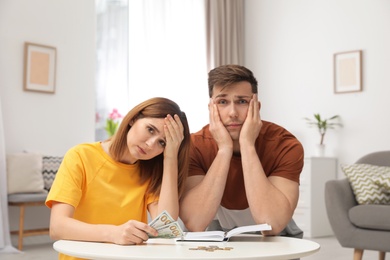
(323, 124)
(112, 122)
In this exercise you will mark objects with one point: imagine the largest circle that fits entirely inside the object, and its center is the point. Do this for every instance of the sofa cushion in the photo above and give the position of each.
(50, 165)
(27, 197)
(24, 173)
(364, 182)
(370, 216)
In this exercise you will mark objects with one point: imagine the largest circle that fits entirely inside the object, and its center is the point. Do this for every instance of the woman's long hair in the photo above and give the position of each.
(153, 168)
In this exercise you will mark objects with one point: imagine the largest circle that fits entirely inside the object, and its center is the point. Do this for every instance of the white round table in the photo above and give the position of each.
(240, 247)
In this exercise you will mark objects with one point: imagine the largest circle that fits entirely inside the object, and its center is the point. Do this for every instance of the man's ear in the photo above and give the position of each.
(259, 105)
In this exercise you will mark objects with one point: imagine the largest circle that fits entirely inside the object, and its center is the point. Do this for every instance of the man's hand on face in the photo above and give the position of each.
(252, 125)
(217, 129)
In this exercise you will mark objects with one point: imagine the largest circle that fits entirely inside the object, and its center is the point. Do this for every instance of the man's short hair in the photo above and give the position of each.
(226, 75)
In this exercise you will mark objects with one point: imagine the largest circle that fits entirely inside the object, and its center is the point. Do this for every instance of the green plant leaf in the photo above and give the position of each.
(323, 124)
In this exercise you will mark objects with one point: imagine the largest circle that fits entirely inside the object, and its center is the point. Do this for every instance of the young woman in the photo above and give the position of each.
(103, 190)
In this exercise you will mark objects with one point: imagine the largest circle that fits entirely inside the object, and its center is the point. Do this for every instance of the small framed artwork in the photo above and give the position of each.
(39, 68)
(348, 72)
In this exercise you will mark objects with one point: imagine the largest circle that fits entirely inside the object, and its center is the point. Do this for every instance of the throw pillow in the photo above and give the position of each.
(24, 173)
(363, 179)
(383, 182)
(50, 165)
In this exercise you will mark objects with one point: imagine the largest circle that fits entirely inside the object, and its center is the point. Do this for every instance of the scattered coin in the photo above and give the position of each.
(210, 248)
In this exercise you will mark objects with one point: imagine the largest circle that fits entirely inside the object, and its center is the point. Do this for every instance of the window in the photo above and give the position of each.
(112, 61)
(166, 57)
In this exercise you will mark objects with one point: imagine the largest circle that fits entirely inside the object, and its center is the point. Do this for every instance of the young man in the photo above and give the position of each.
(243, 170)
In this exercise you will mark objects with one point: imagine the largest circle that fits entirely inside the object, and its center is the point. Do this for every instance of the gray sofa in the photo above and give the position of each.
(362, 227)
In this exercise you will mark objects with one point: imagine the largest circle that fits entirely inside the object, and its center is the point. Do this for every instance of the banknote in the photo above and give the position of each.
(163, 219)
(166, 226)
(171, 230)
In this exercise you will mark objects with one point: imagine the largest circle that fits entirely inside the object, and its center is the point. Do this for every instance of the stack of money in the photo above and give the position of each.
(166, 226)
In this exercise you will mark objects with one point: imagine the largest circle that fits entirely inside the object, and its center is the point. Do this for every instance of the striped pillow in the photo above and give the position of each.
(383, 182)
(50, 165)
(366, 182)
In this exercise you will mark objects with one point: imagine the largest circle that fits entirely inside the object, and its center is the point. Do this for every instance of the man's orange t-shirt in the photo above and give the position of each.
(279, 151)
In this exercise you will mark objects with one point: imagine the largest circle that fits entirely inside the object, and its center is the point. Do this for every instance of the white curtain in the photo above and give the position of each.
(112, 61)
(167, 55)
(5, 237)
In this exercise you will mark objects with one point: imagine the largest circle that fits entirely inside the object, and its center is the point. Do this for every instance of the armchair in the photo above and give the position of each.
(358, 226)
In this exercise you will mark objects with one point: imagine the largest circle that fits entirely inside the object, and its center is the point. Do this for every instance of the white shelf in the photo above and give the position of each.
(310, 214)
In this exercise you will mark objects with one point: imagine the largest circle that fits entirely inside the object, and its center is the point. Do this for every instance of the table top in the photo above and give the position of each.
(240, 247)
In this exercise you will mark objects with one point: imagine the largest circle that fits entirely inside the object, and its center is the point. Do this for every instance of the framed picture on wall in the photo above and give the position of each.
(39, 68)
(348, 71)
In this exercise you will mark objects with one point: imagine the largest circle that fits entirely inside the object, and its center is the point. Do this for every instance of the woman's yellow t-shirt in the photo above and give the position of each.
(101, 190)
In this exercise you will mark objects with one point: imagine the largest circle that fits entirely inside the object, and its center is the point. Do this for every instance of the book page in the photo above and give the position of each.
(216, 235)
(223, 236)
(245, 229)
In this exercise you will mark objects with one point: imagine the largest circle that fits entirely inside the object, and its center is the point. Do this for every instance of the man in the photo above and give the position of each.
(243, 170)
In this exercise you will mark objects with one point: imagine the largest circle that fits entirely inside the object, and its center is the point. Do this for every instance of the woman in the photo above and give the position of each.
(103, 190)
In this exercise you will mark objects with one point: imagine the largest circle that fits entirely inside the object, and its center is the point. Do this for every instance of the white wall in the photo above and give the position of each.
(47, 123)
(290, 47)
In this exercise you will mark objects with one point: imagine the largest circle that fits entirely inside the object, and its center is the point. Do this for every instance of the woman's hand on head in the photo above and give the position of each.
(132, 233)
(174, 135)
